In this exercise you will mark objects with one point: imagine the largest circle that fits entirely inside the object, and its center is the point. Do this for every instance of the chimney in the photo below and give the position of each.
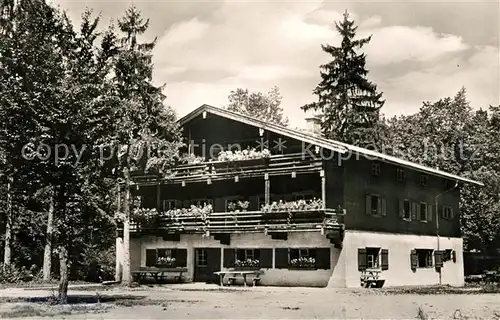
(314, 124)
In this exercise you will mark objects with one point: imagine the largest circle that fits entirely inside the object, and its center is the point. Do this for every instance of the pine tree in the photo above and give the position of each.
(142, 122)
(349, 103)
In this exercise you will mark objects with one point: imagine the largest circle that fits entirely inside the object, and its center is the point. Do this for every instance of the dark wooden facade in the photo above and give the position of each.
(299, 168)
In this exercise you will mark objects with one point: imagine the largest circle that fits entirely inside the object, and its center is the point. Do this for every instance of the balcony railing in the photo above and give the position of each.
(246, 221)
(217, 170)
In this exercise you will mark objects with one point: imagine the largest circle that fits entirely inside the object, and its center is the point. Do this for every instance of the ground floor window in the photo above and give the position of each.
(154, 256)
(421, 258)
(247, 254)
(373, 258)
(302, 258)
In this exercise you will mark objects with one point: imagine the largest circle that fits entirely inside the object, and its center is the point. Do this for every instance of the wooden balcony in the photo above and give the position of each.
(221, 170)
(320, 220)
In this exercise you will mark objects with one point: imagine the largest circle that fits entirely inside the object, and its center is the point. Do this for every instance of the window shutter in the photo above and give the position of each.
(266, 258)
(219, 205)
(451, 213)
(151, 257)
(414, 259)
(414, 210)
(368, 204)
(361, 259)
(385, 259)
(454, 256)
(384, 207)
(180, 257)
(379, 206)
(401, 209)
(430, 212)
(178, 204)
(229, 257)
(281, 258)
(438, 258)
(322, 258)
(254, 203)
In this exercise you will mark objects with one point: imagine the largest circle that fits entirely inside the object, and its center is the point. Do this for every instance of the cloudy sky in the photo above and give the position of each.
(420, 51)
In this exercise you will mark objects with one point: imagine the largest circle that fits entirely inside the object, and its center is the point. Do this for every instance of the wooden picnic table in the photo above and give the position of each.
(244, 273)
(157, 273)
(371, 277)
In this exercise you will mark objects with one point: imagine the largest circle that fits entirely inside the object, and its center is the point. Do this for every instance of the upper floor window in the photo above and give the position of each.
(423, 212)
(376, 169)
(423, 180)
(447, 212)
(401, 174)
(375, 205)
(405, 209)
(201, 202)
(169, 205)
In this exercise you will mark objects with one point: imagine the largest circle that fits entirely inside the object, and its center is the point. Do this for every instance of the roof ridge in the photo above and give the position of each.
(331, 144)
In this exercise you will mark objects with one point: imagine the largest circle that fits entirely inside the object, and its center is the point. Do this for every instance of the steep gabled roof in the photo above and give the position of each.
(333, 145)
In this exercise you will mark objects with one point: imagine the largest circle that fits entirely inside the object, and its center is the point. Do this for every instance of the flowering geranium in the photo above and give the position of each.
(247, 263)
(166, 261)
(303, 262)
(299, 205)
(242, 155)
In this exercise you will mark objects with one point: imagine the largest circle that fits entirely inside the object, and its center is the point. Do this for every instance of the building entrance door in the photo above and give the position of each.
(206, 262)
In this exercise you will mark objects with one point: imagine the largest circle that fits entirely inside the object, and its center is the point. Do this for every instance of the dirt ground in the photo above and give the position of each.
(202, 301)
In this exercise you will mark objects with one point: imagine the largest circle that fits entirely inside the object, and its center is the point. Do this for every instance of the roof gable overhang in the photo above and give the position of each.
(346, 150)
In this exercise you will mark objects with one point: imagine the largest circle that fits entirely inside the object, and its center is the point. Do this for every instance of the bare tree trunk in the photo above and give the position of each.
(63, 281)
(8, 225)
(126, 276)
(47, 255)
(119, 241)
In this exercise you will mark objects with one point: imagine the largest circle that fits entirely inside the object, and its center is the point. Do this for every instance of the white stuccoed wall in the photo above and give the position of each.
(400, 246)
(282, 277)
(344, 265)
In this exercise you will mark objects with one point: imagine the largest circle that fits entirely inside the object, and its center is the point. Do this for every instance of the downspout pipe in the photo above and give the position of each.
(437, 218)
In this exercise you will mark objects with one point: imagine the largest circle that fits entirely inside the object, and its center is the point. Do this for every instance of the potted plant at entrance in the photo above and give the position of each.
(248, 264)
(165, 262)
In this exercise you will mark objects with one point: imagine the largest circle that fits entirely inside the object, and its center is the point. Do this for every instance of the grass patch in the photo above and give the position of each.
(419, 290)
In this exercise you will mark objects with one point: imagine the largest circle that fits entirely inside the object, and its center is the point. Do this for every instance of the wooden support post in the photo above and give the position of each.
(158, 197)
(323, 188)
(267, 189)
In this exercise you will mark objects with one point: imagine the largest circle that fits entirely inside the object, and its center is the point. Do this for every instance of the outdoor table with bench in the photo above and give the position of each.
(233, 273)
(158, 273)
(371, 278)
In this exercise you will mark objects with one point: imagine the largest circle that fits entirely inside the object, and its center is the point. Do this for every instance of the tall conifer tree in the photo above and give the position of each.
(349, 102)
(142, 121)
